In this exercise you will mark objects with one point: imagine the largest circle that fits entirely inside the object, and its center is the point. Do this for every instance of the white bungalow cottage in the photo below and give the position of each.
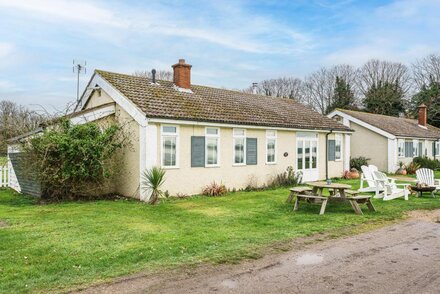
(388, 140)
(201, 134)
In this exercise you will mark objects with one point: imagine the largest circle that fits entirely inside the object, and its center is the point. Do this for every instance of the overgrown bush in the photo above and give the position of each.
(412, 168)
(287, 178)
(214, 189)
(427, 162)
(74, 161)
(357, 162)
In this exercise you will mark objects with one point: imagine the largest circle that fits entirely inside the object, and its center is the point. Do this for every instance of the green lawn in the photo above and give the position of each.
(62, 246)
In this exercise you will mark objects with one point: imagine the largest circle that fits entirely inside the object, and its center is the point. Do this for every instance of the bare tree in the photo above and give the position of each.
(319, 87)
(286, 87)
(15, 120)
(160, 74)
(426, 70)
(375, 72)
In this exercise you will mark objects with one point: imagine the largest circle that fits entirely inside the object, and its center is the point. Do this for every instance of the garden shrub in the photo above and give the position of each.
(412, 168)
(214, 189)
(287, 178)
(75, 161)
(427, 162)
(357, 162)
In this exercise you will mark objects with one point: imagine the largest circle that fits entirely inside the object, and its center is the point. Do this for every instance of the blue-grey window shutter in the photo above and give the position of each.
(331, 150)
(433, 149)
(197, 151)
(251, 151)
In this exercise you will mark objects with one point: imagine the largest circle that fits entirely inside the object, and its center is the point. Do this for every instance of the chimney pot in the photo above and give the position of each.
(182, 74)
(423, 115)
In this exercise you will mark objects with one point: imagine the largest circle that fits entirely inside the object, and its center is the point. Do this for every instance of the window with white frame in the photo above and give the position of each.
(338, 147)
(169, 146)
(415, 148)
(401, 148)
(437, 148)
(212, 146)
(271, 145)
(239, 138)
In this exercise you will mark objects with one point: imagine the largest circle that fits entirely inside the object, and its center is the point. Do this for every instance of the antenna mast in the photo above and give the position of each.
(78, 68)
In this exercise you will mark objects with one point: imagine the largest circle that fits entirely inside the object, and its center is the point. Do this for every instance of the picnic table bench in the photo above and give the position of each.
(296, 191)
(339, 193)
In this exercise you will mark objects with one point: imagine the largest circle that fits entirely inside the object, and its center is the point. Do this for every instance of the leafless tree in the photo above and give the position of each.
(286, 87)
(375, 72)
(426, 70)
(319, 86)
(160, 74)
(15, 120)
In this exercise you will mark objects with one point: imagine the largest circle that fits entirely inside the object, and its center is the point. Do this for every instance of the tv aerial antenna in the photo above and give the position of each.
(79, 67)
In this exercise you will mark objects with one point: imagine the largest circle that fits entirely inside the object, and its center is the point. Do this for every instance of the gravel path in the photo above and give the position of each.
(402, 258)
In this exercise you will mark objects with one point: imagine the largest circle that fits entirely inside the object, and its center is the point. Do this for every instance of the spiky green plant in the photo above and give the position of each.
(153, 179)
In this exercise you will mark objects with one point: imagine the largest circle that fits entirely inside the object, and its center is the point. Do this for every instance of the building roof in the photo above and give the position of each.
(206, 104)
(397, 126)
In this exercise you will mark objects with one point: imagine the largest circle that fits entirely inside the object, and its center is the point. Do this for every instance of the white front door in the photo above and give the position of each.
(307, 156)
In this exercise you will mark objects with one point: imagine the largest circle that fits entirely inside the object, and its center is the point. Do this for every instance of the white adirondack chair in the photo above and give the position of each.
(369, 178)
(426, 176)
(391, 189)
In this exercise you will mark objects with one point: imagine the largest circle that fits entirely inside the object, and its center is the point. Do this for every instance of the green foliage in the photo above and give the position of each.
(74, 161)
(430, 96)
(357, 162)
(412, 168)
(385, 98)
(3, 160)
(426, 162)
(214, 189)
(343, 96)
(153, 180)
(286, 179)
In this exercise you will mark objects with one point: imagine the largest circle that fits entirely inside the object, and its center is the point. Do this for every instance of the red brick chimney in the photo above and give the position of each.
(423, 115)
(182, 74)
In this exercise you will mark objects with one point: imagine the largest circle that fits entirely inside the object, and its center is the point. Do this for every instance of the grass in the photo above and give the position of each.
(62, 246)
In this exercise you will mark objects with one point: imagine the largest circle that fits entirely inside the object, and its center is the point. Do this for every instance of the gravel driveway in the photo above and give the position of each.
(401, 258)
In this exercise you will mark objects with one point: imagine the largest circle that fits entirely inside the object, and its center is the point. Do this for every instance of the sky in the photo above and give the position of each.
(229, 43)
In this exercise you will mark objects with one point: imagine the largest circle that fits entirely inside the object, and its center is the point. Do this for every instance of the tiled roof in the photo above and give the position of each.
(208, 104)
(401, 127)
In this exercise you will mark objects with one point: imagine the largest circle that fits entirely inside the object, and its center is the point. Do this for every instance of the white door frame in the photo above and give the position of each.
(309, 174)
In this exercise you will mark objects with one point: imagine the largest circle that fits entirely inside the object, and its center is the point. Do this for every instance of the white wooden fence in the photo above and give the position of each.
(4, 176)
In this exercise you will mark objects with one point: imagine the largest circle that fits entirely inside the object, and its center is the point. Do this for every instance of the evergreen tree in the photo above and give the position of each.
(430, 96)
(385, 98)
(343, 96)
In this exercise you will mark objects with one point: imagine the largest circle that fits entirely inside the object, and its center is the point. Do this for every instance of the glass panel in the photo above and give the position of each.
(238, 132)
(271, 133)
(169, 150)
(299, 152)
(239, 150)
(314, 154)
(307, 155)
(169, 129)
(338, 150)
(211, 150)
(211, 131)
(271, 150)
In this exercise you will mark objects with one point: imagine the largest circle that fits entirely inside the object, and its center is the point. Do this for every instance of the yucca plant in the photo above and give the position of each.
(153, 179)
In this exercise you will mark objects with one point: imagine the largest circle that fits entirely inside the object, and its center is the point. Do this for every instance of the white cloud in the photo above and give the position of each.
(6, 49)
(77, 11)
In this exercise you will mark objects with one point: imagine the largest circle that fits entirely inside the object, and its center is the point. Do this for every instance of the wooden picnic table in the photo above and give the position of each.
(338, 193)
(336, 188)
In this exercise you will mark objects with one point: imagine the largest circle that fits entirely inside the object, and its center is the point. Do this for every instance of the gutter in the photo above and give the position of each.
(326, 153)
